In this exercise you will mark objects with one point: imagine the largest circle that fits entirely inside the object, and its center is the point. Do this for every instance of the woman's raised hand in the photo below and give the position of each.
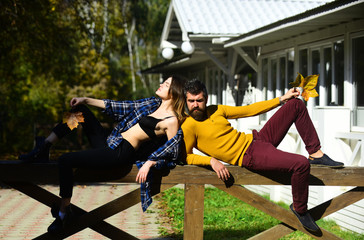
(77, 100)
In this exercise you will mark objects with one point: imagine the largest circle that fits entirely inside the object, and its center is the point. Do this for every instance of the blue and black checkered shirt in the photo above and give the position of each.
(127, 114)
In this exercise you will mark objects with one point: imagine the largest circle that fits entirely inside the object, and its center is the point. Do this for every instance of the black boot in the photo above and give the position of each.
(58, 224)
(39, 154)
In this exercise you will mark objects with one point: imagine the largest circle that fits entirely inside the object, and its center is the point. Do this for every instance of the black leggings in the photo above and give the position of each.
(100, 156)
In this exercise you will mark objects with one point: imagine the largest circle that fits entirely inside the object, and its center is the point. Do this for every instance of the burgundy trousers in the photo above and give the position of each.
(263, 155)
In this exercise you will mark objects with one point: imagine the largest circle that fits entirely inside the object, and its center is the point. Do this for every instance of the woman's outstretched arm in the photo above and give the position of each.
(89, 101)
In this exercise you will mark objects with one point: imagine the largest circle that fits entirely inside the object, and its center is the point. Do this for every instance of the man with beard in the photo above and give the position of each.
(208, 130)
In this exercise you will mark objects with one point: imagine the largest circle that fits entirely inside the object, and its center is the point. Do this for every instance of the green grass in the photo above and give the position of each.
(226, 217)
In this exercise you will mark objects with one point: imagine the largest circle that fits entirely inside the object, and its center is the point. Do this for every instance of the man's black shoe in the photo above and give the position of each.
(39, 154)
(325, 161)
(306, 220)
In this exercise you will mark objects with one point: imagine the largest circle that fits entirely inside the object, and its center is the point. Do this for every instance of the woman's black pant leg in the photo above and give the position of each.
(95, 133)
(92, 159)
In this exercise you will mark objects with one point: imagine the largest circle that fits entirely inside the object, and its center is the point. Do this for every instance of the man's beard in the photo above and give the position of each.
(198, 114)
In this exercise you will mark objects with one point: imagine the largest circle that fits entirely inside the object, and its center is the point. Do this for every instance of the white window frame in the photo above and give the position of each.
(276, 56)
(354, 92)
(320, 46)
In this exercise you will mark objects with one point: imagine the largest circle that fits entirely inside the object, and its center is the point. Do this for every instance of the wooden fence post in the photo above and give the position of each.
(194, 206)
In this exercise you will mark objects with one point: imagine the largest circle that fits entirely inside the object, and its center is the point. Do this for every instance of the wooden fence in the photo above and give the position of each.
(26, 178)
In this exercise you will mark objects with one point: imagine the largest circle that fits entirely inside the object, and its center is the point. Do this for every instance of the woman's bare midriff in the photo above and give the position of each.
(135, 136)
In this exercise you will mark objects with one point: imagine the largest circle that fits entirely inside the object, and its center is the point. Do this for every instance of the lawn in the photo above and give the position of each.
(226, 217)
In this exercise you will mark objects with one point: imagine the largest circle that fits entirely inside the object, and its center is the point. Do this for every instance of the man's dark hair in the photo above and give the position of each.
(195, 87)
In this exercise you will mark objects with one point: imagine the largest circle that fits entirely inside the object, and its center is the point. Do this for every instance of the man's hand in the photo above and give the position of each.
(220, 169)
(291, 93)
(143, 171)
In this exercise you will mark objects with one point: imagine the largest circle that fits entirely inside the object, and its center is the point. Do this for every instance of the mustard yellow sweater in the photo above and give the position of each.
(217, 138)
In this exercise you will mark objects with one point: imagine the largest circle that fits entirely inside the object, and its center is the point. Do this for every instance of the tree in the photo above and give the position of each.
(52, 50)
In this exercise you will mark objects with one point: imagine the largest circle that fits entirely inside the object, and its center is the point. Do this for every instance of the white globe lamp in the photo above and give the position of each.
(167, 53)
(188, 47)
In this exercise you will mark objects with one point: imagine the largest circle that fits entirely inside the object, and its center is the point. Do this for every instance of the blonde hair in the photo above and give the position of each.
(178, 98)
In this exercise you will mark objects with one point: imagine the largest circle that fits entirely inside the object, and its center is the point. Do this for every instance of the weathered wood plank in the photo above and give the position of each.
(274, 233)
(16, 174)
(193, 215)
(48, 174)
(48, 198)
(337, 203)
(273, 210)
(318, 212)
(93, 219)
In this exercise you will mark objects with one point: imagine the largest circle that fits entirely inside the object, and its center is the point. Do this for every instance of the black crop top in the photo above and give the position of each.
(148, 124)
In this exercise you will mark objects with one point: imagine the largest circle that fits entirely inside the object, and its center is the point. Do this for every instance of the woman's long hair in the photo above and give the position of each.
(178, 97)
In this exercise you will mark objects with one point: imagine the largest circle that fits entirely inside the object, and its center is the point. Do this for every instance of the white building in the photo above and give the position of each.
(250, 50)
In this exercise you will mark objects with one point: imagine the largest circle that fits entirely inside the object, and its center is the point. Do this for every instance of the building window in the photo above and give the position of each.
(290, 68)
(326, 80)
(337, 85)
(282, 83)
(327, 61)
(265, 78)
(303, 58)
(358, 79)
(277, 72)
(315, 65)
(272, 82)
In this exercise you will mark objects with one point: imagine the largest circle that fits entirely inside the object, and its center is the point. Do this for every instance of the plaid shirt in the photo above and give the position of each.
(127, 114)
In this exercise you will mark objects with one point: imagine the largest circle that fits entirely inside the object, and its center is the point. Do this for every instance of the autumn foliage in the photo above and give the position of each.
(72, 119)
(307, 84)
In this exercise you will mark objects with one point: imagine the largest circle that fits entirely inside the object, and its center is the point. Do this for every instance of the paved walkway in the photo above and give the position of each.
(24, 218)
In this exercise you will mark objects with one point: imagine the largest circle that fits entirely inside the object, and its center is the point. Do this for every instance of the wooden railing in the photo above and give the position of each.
(26, 178)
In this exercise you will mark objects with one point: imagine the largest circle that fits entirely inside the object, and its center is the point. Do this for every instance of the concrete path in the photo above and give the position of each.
(24, 218)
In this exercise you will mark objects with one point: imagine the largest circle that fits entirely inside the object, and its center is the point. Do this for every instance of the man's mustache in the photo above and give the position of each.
(197, 109)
